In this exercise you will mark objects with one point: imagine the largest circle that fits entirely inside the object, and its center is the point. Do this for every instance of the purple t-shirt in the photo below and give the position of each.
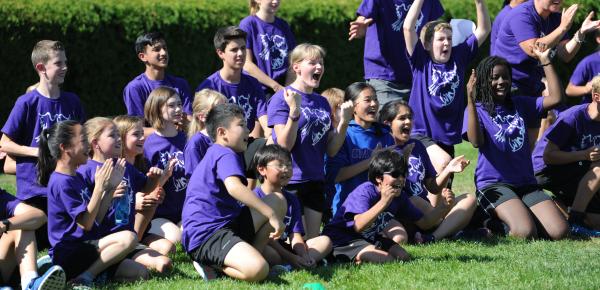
(586, 70)
(341, 228)
(385, 56)
(195, 149)
(313, 128)
(135, 181)
(248, 94)
(293, 215)
(270, 43)
(574, 130)
(525, 23)
(208, 205)
(31, 114)
(158, 150)
(358, 146)
(68, 197)
(419, 169)
(496, 26)
(8, 203)
(437, 95)
(137, 91)
(504, 155)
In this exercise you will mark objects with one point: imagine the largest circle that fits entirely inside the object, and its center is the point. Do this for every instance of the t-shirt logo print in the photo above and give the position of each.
(588, 141)
(514, 132)
(317, 124)
(244, 103)
(401, 11)
(287, 221)
(444, 84)
(378, 226)
(178, 183)
(85, 194)
(47, 119)
(275, 48)
(416, 169)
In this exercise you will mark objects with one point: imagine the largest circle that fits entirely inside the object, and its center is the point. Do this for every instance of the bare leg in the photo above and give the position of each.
(516, 215)
(129, 271)
(439, 157)
(588, 187)
(458, 217)
(261, 224)
(8, 261)
(319, 247)
(166, 235)
(113, 248)
(370, 254)
(26, 251)
(312, 223)
(396, 232)
(245, 263)
(153, 260)
(551, 218)
(142, 220)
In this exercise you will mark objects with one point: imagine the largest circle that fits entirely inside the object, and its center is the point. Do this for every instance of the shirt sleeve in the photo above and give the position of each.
(15, 123)
(187, 97)
(261, 103)
(561, 132)
(230, 164)
(367, 9)
(277, 110)
(133, 101)
(246, 25)
(523, 26)
(334, 164)
(580, 75)
(356, 203)
(406, 209)
(73, 203)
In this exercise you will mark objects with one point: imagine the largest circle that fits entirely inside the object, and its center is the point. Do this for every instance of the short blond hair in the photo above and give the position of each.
(334, 97)
(126, 123)
(153, 106)
(306, 51)
(596, 85)
(431, 27)
(204, 100)
(43, 49)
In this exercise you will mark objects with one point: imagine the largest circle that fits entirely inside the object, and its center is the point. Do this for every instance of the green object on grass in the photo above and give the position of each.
(313, 286)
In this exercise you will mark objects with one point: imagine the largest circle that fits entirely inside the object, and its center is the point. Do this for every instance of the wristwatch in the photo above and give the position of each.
(6, 223)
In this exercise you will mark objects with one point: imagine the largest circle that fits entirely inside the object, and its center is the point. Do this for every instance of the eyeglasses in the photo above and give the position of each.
(280, 167)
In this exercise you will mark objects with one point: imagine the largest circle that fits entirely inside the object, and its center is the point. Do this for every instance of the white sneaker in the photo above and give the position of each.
(206, 272)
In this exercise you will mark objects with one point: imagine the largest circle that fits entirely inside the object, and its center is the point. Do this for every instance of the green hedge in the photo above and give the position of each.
(99, 38)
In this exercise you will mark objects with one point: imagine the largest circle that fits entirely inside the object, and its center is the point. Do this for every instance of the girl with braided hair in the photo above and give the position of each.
(496, 123)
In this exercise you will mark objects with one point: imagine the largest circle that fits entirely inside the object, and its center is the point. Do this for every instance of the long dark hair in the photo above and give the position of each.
(483, 84)
(49, 148)
(352, 92)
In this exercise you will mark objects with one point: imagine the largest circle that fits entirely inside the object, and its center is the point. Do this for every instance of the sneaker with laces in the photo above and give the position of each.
(53, 279)
(582, 231)
(206, 272)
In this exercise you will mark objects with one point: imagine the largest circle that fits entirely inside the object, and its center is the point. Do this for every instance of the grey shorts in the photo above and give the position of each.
(388, 91)
(496, 194)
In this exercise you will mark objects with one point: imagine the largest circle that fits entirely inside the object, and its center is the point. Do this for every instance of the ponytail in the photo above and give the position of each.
(49, 148)
(253, 6)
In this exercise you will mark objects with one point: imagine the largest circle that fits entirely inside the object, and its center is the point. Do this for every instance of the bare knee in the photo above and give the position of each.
(255, 271)
(400, 239)
(163, 264)
(523, 230)
(127, 240)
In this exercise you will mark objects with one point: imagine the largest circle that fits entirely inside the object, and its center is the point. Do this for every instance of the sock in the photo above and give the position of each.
(576, 217)
(27, 277)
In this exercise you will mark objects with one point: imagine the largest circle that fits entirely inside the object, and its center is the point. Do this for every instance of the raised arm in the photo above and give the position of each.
(568, 49)
(410, 26)
(555, 92)
(474, 132)
(551, 40)
(364, 220)
(456, 165)
(86, 219)
(358, 27)
(287, 133)
(336, 138)
(484, 24)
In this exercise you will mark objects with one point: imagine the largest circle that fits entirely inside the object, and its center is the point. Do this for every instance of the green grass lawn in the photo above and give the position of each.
(501, 264)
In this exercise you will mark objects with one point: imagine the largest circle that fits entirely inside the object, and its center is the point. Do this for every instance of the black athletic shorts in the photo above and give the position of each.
(496, 194)
(311, 194)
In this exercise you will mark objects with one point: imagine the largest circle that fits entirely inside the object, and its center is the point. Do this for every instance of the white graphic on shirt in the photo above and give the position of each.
(244, 103)
(317, 124)
(401, 11)
(85, 194)
(588, 141)
(287, 221)
(178, 183)
(444, 85)
(378, 225)
(514, 132)
(47, 119)
(416, 169)
(274, 48)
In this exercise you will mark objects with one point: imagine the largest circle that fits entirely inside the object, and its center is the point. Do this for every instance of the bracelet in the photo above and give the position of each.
(549, 63)
(577, 37)
(6, 223)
